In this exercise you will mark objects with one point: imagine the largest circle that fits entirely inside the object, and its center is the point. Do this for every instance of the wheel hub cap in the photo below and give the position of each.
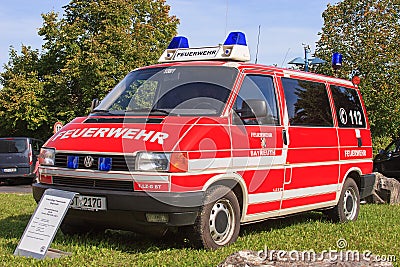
(350, 204)
(221, 221)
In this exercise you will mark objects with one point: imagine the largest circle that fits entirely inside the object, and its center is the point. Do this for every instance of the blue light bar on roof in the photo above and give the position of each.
(236, 38)
(234, 49)
(337, 60)
(178, 42)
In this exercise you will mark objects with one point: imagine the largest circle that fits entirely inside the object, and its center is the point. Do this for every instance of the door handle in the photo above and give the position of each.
(359, 142)
(284, 137)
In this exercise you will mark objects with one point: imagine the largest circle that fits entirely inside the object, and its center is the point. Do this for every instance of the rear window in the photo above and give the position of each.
(12, 146)
(348, 107)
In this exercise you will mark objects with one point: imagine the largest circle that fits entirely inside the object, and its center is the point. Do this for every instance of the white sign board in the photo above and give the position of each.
(44, 223)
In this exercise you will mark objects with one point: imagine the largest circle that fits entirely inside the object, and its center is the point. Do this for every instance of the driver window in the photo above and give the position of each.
(256, 95)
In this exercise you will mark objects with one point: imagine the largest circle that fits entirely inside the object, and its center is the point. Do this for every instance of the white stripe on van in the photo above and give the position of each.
(292, 193)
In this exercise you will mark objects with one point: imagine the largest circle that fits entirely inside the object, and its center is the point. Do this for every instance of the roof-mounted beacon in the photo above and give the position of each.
(234, 49)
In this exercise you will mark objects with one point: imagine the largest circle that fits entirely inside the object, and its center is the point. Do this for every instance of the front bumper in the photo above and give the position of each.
(127, 210)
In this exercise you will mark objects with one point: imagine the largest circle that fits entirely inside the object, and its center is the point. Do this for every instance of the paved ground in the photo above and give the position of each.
(23, 189)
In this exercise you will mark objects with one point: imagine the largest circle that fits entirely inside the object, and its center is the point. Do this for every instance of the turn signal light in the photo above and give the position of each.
(178, 162)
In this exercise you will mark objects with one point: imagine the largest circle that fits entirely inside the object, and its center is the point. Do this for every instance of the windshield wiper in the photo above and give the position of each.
(153, 110)
(160, 110)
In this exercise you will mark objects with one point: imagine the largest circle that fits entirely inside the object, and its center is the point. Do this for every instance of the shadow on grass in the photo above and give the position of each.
(13, 227)
(130, 242)
(283, 222)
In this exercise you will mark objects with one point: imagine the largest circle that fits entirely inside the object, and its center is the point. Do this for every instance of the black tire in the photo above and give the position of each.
(348, 206)
(218, 222)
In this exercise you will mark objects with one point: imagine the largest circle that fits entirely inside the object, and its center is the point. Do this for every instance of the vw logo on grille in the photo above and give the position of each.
(88, 161)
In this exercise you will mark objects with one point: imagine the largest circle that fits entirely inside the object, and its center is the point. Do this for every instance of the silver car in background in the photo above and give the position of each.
(18, 156)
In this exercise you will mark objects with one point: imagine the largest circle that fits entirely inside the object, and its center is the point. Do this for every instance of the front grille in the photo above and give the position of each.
(94, 183)
(119, 162)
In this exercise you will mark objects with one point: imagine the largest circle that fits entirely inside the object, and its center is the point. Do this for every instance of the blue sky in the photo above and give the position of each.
(285, 24)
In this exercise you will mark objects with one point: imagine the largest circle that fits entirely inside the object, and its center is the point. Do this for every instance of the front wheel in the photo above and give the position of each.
(348, 206)
(218, 222)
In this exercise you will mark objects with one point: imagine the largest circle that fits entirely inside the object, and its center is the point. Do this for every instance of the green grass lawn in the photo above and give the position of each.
(377, 230)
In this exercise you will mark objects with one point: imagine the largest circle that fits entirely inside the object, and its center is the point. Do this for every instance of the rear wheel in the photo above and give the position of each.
(218, 223)
(348, 206)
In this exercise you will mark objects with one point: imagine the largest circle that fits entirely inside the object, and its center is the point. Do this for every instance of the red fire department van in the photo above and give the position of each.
(207, 141)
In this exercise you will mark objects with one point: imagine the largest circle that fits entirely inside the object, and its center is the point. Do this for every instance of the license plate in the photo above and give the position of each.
(93, 203)
(9, 170)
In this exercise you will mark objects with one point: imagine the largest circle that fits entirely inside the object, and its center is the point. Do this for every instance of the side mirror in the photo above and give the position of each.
(253, 108)
(95, 103)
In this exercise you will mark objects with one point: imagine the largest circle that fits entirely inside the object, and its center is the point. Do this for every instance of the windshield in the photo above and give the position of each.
(186, 90)
(13, 146)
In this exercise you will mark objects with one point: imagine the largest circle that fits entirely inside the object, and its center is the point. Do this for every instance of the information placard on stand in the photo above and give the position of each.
(44, 223)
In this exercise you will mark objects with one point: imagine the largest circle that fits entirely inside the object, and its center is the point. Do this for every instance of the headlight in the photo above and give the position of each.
(159, 161)
(47, 156)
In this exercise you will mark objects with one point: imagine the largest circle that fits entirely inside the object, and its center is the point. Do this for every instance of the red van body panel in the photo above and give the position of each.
(274, 169)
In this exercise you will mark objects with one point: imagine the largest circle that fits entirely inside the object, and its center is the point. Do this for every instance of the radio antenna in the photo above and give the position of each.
(287, 52)
(226, 16)
(258, 42)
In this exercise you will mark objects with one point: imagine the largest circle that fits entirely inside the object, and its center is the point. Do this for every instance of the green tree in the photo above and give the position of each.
(367, 33)
(85, 53)
(21, 98)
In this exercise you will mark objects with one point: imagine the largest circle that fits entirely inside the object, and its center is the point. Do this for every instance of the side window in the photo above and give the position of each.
(256, 102)
(348, 107)
(307, 103)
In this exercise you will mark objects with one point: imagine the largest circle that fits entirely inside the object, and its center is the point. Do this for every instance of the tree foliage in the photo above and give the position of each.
(85, 53)
(367, 33)
(20, 99)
